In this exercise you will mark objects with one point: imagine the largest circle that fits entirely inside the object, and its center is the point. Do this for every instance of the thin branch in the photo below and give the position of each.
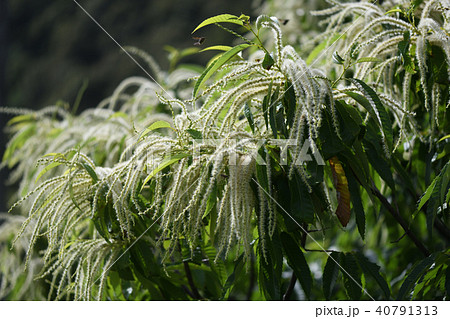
(322, 250)
(291, 286)
(400, 220)
(194, 290)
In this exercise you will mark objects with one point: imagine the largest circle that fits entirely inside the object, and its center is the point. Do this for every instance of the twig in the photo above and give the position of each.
(194, 290)
(322, 250)
(400, 220)
(291, 286)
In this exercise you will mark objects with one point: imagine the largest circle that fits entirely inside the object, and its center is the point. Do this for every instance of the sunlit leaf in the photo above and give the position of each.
(213, 67)
(220, 19)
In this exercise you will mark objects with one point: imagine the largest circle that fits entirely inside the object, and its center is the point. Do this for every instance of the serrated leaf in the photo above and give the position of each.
(358, 209)
(352, 276)
(382, 115)
(426, 196)
(213, 67)
(165, 163)
(248, 114)
(371, 269)
(155, 126)
(437, 197)
(297, 262)
(217, 47)
(330, 273)
(221, 18)
(413, 276)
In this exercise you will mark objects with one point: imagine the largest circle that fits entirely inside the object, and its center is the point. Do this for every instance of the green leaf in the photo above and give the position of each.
(368, 59)
(416, 272)
(437, 198)
(373, 147)
(289, 102)
(297, 262)
(220, 19)
(352, 276)
(155, 126)
(46, 169)
(21, 118)
(337, 58)
(90, 171)
(217, 47)
(382, 116)
(355, 196)
(371, 269)
(266, 105)
(268, 62)
(302, 207)
(439, 65)
(330, 274)
(426, 196)
(196, 135)
(165, 163)
(248, 114)
(272, 119)
(403, 48)
(231, 280)
(270, 268)
(394, 11)
(224, 58)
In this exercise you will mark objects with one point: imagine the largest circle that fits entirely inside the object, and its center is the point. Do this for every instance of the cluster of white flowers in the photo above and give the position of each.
(175, 175)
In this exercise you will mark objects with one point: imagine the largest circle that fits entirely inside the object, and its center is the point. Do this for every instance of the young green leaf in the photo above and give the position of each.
(221, 18)
(224, 58)
(217, 47)
(167, 162)
(46, 169)
(155, 126)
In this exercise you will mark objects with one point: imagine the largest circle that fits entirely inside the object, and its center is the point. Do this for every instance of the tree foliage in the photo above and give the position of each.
(187, 190)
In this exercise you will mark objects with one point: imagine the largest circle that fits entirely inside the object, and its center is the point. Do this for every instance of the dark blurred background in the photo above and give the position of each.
(49, 48)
